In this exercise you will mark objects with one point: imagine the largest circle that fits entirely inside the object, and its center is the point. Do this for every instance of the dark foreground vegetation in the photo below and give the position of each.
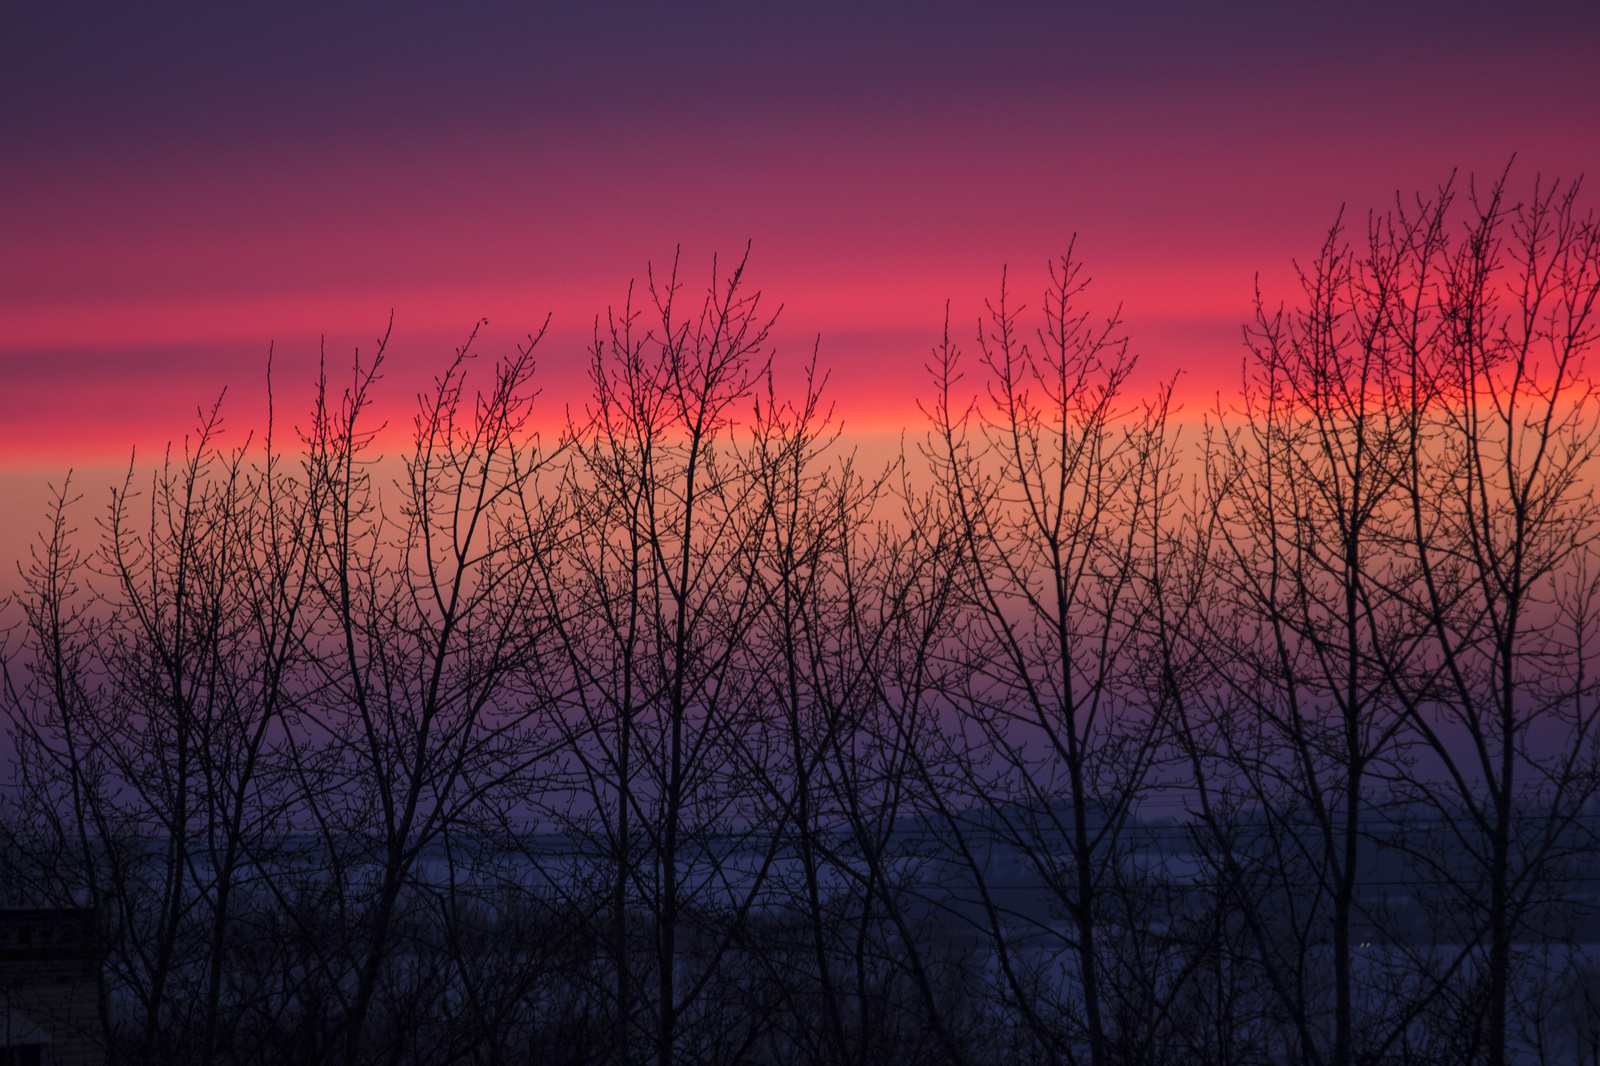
(681, 736)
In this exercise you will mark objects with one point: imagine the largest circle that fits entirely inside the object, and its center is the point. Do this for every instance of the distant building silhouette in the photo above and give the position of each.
(50, 988)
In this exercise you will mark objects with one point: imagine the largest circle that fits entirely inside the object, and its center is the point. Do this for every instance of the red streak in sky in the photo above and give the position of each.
(136, 285)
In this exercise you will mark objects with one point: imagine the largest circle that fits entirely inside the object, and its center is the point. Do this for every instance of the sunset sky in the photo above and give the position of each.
(182, 187)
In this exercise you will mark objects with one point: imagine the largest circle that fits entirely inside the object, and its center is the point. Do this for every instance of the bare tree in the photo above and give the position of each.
(1502, 529)
(1312, 628)
(1052, 484)
(160, 667)
(428, 624)
(657, 603)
